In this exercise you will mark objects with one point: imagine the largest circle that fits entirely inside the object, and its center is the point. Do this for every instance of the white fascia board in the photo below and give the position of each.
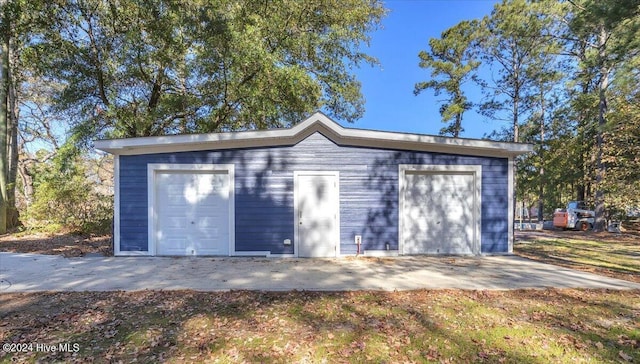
(189, 142)
(318, 122)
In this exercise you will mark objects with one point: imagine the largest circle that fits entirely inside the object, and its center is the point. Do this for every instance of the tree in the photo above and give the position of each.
(163, 67)
(11, 24)
(451, 61)
(514, 37)
(609, 30)
(4, 91)
(64, 195)
(544, 71)
(515, 42)
(41, 132)
(621, 149)
(564, 74)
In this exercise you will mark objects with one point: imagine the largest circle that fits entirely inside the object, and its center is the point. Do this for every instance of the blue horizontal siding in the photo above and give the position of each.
(264, 193)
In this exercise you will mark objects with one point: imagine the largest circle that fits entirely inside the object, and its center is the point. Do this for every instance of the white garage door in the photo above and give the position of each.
(439, 213)
(192, 213)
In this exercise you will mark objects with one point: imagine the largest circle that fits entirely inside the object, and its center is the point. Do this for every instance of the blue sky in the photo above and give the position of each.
(388, 89)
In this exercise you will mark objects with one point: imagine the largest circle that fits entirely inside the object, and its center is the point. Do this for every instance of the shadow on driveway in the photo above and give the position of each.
(32, 272)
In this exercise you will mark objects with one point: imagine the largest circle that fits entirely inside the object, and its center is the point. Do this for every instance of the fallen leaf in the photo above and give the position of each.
(625, 356)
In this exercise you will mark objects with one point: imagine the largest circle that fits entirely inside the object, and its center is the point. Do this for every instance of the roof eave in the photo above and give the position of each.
(316, 123)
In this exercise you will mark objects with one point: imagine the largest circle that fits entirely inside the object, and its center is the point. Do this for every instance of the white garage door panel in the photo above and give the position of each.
(169, 222)
(439, 213)
(177, 247)
(192, 213)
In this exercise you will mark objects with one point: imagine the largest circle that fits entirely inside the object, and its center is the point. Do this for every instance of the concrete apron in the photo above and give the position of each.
(33, 272)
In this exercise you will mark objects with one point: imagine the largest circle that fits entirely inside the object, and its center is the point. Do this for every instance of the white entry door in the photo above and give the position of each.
(439, 213)
(192, 213)
(316, 198)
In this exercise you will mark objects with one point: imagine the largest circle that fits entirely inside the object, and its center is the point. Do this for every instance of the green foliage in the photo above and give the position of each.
(555, 157)
(65, 196)
(565, 75)
(157, 67)
(621, 150)
(607, 36)
(125, 68)
(515, 42)
(451, 61)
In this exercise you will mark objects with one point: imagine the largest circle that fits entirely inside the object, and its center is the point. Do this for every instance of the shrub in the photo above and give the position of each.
(63, 194)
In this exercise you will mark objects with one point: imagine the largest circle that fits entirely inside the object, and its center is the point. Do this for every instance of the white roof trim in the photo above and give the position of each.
(318, 122)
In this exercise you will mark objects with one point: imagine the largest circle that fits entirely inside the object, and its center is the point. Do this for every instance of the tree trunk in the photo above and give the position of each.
(4, 87)
(516, 100)
(581, 178)
(541, 155)
(458, 126)
(13, 217)
(602, 110)
(27, 183)
(516, 136)
(582, 174)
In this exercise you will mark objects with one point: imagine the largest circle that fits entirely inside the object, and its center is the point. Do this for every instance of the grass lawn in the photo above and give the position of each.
(613, 255)
(450, 326)
(447, 326)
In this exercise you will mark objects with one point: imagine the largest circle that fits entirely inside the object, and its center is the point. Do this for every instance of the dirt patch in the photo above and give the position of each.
(68, 245)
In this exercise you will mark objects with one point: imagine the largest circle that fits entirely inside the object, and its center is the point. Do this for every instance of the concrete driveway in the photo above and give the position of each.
(32, 272)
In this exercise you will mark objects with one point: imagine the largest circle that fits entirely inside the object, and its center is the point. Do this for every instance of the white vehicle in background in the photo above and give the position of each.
(575, 216)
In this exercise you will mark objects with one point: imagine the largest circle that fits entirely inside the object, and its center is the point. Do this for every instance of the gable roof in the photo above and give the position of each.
(318, 122)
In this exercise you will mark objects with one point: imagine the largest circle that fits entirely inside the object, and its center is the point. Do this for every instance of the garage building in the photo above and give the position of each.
(314, 190)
